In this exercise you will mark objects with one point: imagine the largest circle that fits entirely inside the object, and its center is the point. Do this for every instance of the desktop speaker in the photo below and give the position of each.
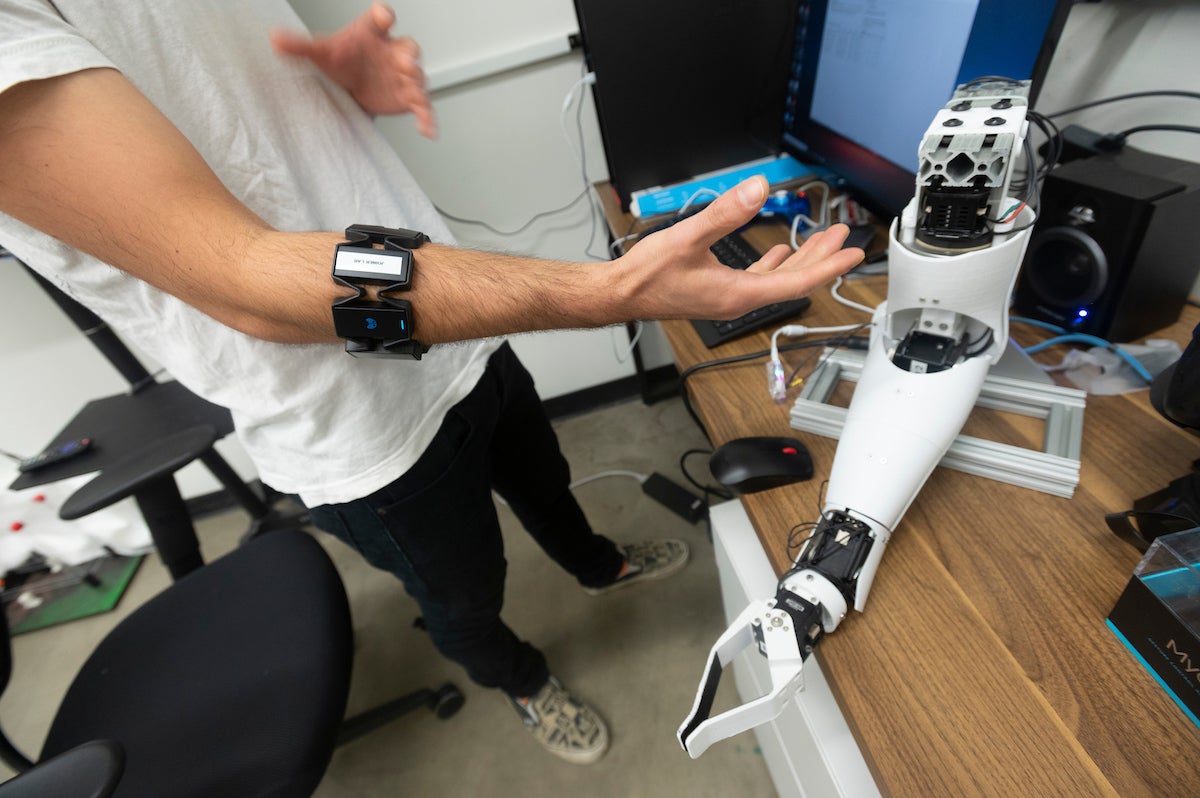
(1116, 247)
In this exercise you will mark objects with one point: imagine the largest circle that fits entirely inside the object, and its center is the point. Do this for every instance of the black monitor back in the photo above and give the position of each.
(685, 87)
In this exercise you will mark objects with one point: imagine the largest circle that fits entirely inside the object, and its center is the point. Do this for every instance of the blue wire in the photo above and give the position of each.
(1067, 336)
(1083, 338)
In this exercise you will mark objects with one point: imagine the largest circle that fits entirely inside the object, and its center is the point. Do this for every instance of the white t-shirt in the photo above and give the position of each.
(297, 150)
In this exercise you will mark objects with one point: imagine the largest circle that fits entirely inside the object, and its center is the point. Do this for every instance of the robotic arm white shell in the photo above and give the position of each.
(953, 259)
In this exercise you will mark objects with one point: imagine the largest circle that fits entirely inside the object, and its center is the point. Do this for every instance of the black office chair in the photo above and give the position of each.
(231, 682)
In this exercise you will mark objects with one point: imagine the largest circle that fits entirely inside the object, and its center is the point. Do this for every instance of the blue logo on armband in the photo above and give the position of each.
(371, 323)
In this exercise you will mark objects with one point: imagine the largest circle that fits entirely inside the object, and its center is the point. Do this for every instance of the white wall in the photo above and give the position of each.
(1122, 46)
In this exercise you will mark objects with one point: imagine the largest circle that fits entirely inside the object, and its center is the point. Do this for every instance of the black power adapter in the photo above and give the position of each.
(675, 498)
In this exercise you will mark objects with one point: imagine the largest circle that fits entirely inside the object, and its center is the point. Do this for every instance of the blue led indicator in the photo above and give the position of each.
(401, 324)
(371, 323)
(1083, 312)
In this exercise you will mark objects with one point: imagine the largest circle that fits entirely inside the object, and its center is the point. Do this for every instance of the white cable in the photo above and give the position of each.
(641, 478)
(614, 249)
(796, 220)
(850, 303)
(776, 381)
(594, 201)
(568, 101)
(640, 327)
(606, 474)
(699, 193)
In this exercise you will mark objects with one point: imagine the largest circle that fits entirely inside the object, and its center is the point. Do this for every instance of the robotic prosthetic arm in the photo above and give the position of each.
(953, 259)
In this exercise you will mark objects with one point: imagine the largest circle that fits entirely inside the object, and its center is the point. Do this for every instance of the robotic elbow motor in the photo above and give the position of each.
(953, 257)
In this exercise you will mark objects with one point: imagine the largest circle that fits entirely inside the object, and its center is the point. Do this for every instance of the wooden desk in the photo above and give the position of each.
(982, 664)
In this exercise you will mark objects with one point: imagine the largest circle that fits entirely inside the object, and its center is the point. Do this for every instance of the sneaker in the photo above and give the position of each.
(652, 559)
(564, 725)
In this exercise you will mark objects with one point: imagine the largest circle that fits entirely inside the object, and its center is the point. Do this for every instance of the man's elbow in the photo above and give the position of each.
(276, 329)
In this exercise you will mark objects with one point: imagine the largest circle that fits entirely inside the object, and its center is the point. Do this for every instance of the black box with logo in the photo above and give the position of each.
(1158, 617)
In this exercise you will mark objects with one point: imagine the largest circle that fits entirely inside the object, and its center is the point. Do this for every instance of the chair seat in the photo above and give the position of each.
(262, 622)
(125, 476)
(127, 423)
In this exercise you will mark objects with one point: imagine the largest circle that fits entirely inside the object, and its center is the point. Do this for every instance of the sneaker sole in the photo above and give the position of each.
(662, 573)
(580, 757)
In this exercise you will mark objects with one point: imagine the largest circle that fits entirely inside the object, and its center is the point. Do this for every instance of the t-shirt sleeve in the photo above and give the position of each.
(36, 43)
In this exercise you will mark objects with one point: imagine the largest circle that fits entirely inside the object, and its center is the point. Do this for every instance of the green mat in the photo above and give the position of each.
(75, 592)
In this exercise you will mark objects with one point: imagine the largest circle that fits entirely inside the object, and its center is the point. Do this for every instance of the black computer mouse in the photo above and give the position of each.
(749, 465)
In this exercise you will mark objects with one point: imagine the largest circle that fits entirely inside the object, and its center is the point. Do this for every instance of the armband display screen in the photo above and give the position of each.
(367, 263)
(381, 324)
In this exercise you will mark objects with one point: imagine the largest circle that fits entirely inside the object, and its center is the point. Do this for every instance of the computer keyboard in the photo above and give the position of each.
(735, 252)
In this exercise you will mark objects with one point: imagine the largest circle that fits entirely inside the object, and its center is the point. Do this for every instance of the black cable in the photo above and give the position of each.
(836, 343)
(793, 541)
(991, 79)
(707, 490)
(1053, 135)
(1032, 188)
(1033, 192)
(11, 456)
(990, 335)
(726, 361)
(1135, 95)
(1115, 141)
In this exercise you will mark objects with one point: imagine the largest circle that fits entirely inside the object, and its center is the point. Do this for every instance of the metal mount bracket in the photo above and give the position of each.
(1054, 469)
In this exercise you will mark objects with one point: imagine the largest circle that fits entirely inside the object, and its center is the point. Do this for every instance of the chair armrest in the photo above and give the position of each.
(91, 770)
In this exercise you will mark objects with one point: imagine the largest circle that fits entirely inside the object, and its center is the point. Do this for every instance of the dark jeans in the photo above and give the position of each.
(436, 527)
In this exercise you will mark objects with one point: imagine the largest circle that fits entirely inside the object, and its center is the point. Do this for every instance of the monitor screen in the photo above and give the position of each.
(867, 77)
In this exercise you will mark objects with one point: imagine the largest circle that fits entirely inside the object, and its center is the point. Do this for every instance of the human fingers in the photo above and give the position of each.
(289, 42)
(794, 278)
(816, 246)
(426, 120)
(381, 16)
(406, 55)
(771, 259)
(823, 243)
(726, 213)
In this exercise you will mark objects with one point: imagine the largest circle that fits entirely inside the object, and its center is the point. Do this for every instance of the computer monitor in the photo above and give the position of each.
(684, 88)
(867, 77)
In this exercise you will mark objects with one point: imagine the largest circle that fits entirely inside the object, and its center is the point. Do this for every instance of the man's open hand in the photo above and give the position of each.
(672, 274)
(383, 74)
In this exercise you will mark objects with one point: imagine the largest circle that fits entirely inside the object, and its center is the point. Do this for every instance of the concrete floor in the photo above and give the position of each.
(635, 655)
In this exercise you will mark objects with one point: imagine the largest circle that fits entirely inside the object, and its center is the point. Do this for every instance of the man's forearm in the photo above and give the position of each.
(457, 294)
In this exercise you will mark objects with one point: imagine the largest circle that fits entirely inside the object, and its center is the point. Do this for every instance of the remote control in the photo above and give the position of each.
(55, 454)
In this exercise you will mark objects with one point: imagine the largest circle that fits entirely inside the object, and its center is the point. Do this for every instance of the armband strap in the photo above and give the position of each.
(381, 257)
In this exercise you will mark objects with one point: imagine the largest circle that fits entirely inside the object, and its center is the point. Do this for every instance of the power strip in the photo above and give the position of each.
(667, 199)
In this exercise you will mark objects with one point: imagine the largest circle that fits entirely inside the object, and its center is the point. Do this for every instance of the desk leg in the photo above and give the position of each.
(653, 385)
